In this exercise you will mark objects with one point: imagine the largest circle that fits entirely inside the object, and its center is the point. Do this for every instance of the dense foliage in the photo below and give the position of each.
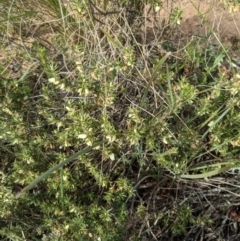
(81, 73)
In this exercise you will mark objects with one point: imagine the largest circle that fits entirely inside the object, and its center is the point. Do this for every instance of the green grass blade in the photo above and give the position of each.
(216, 122)
(115, 42)
(61, 187)
(206, 174)
(31, 69)
(55, 168)
(154, 75)
(170, 88)
(213, 115)
(202, 166)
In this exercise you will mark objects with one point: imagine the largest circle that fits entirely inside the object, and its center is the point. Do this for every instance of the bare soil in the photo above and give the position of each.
(200, 17)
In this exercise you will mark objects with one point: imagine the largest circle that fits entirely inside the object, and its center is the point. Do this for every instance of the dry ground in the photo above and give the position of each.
(224, 23)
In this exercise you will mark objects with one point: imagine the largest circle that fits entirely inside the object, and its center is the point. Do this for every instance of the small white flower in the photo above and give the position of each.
(82, 136)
